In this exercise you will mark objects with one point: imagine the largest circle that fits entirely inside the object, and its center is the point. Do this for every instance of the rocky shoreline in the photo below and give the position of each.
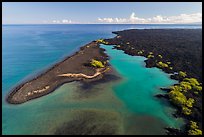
(50, 80)
(175, 51)
(167, 49)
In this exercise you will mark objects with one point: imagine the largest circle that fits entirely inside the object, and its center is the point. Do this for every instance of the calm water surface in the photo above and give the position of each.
(30, 49)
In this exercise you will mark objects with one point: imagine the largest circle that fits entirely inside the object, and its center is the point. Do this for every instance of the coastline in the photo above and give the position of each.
(166, 42)
(144, 43)
(149, 63)
(71, 64)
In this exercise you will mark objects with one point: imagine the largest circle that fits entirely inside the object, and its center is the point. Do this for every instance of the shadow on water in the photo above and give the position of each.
(106, 78)
(92, 122)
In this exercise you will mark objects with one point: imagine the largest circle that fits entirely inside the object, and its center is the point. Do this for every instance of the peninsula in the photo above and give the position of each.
(88, 64)
(175, 51)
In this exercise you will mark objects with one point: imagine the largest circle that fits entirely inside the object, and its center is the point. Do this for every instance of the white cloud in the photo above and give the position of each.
(182, 18)
(63, 21)
(109, 20)
(56, 21)
(66, 21)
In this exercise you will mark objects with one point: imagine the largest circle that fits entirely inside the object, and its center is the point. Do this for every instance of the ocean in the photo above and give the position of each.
(30, 49)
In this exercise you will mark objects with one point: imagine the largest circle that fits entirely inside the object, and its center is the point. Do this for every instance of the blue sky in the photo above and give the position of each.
(101, 12)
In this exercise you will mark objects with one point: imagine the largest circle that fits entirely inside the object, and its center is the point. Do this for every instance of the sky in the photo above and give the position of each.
(101, 12)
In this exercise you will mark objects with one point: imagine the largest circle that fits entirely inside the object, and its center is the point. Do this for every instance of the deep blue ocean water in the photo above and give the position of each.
(30, 49)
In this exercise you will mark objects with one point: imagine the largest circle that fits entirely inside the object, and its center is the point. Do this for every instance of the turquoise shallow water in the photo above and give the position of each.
(29, 49)
(139, 86)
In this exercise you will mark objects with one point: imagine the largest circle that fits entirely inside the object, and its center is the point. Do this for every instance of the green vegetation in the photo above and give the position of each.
(96, 63)
(198, 88)
(160, 56)
(162, 65)
(195, 132)
(182, 74)
(193, 125)
(140, 52)
(194, 129)
(195, 85)
(102, 41)
(189, 102)
(176, 88)
(185, 86)
(150, 56)
(186, 110)
(168, 62)
(178, 97)
(192, 81)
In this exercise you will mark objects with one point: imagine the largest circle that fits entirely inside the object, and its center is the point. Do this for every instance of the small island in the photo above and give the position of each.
(88, 64)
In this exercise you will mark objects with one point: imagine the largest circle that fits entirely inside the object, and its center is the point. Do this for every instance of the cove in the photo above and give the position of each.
(139, 85)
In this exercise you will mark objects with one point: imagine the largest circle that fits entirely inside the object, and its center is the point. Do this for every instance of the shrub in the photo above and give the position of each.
(198, 88)
(185, 86)
(160, 56)
(186, 110)
(182, 74)
(194, 84)
(102, 41)
(189, 102)
(96, 63)
(195, 132)
(177, 97)
(139, 52)
(176, 88)
(192, 81)
(162, 65)
(150, 56)
(194, 129)
(193, 125)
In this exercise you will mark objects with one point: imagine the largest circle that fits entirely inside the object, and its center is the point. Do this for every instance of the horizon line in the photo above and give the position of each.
(107, 24)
